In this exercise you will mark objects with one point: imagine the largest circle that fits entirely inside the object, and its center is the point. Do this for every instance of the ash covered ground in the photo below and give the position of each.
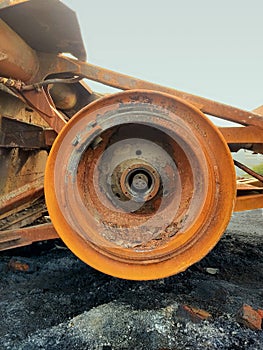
(61, 303)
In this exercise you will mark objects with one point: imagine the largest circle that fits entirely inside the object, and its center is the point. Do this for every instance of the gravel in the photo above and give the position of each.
(61, 303)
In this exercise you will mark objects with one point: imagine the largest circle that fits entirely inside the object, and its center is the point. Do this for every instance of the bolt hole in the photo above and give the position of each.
(138, 152)
(165, 193)
(117, 195)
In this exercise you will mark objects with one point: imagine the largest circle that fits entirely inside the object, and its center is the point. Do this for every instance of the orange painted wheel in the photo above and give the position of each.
(140, 185)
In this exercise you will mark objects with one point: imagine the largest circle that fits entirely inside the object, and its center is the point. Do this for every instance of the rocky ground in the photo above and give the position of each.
(60, 303)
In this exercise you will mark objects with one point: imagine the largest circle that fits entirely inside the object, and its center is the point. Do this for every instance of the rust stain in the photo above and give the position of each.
(139, 184)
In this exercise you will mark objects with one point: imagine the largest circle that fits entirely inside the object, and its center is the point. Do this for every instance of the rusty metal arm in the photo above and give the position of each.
(248, 134)
(249, 202)
(249, 171)
(125, 82)
(57, 65)
(246, 137)
(24, 236)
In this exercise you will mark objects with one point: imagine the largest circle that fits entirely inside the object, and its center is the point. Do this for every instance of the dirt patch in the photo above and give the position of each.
(61, 303)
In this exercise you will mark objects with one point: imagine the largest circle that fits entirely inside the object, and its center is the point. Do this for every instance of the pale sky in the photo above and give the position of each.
(209, 48)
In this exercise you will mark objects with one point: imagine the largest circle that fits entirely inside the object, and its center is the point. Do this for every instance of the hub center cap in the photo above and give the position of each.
(139, 181)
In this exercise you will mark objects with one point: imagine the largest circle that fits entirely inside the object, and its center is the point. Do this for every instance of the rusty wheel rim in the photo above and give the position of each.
(140, 185)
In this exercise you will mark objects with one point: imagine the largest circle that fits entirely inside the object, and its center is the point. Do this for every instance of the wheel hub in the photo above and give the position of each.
(139, 184)
(149, 199)
(136, 180)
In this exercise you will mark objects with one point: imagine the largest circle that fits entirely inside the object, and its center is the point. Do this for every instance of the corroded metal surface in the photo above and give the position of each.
(19, 134)
(249, 184)
(125, 82)
(14, 200)
(10, 239)
(249, 202)
(150, 238)
(56, 26)
(17, 59)
(242, 135)
(248, 171)
(139, 184)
